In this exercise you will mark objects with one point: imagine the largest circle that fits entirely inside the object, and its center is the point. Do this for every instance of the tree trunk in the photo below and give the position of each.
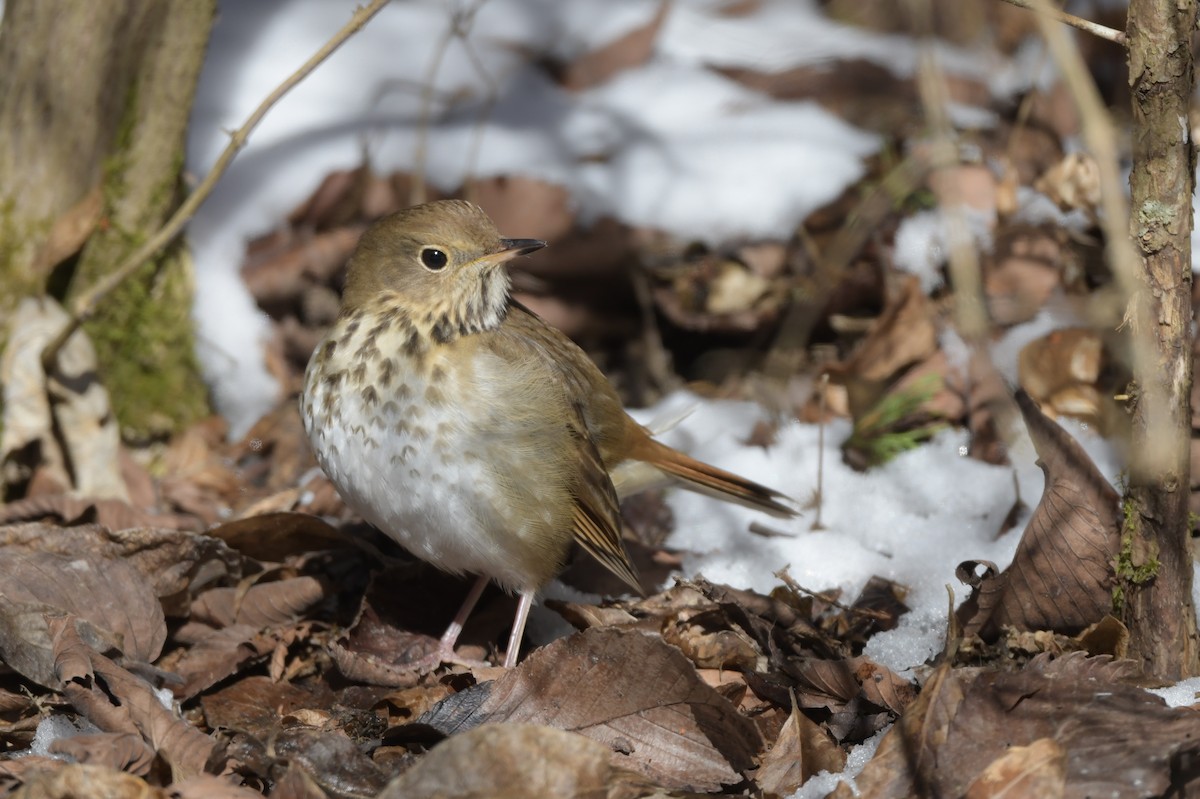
(1155, 565)
(94, 102)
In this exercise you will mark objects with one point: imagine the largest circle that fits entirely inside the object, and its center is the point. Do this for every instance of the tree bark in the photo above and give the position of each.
(1155, 565)
(94, 102)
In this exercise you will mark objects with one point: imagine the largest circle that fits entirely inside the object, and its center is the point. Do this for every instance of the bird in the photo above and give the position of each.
(460, 424)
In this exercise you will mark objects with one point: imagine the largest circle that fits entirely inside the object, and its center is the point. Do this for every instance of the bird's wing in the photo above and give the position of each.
(595, 518)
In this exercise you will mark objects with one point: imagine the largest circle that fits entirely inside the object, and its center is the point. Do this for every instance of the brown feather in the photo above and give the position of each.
(699, 476)
(596, 522)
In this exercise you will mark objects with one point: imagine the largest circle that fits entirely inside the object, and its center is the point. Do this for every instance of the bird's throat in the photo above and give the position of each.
(472, 307)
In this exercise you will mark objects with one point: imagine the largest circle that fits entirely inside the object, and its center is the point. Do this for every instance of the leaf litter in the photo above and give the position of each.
(209, 620)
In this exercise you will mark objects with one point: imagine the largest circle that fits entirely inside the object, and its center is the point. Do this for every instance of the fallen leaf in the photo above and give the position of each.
(215, 655)
(627, 690)
(332, 760)
(631, 50)
(108, 594)
(1118, 739)
(71, 780)
(1072, 183)
(273, 537)
(261, 606)
(117, 701)
(1061, 577)
(173, 562)
(123, 751)
(70, 231)
(1037, 770)
(115, 514)
(494, 761)
(802, 749)
(1021, 274)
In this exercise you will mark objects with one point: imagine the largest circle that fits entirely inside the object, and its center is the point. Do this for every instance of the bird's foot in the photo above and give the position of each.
(445, 654)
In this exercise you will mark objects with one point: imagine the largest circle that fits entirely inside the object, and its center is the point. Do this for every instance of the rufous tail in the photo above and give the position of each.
(705, 479)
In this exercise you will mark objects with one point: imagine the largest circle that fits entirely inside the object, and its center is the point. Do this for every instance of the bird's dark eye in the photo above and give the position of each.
(433, 258)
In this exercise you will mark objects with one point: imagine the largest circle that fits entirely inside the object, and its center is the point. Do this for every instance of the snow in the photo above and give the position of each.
(54, 728)
(672, 144)
(1182, 694)
(912, 521)
(823, 783)
(923, 241)
(1195, 230)
(693, 163)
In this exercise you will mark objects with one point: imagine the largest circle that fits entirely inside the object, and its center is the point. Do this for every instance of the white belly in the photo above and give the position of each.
(421, 472)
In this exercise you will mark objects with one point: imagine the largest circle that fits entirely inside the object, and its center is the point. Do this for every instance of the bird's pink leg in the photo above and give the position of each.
(450, 637)
(518, 629)
(445, 649)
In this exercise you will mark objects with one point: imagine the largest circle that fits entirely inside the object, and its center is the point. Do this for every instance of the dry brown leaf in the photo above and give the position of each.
(375, 669)
(908, 754)
(123, 751)
(332, 760)
(707, 640)
(970, 185)
(297, 783)
(215, 655)
(172, 561)
(263, 605)
(256, 704)
(625, 52)
(1060, 371)
(524, 206)
(74, 780)
(14, 771)
(802, 749)
(1118, 740)
(714, 292)
(277, 272)
(108, 594)
(582, 616)
(883, 687)
(205, 786)
(597, 253)
(826, 684)
(1061, 576)
(115, 514)
(336, 201)
(494, 761)
(627, 690)
(1021, 274)
(905, 334)
(1074, 182)
(1037, 770)
(273, 537)
(117, 701)
(70, 231)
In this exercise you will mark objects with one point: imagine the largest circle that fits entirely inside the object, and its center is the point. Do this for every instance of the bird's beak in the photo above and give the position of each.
(512, 249)
(516, 247)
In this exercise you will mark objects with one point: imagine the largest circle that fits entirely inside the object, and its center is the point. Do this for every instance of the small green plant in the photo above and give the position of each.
(888, 429)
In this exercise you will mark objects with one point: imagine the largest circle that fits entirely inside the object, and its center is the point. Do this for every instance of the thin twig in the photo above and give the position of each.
(85, 304)
(820, 495)
(1086, 25)
(787, 579)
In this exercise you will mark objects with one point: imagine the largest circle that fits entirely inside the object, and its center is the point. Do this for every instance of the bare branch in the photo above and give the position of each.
(1094, 28)
(85, 304)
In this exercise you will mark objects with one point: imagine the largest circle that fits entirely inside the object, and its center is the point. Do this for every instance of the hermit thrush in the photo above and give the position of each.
(463, 426)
